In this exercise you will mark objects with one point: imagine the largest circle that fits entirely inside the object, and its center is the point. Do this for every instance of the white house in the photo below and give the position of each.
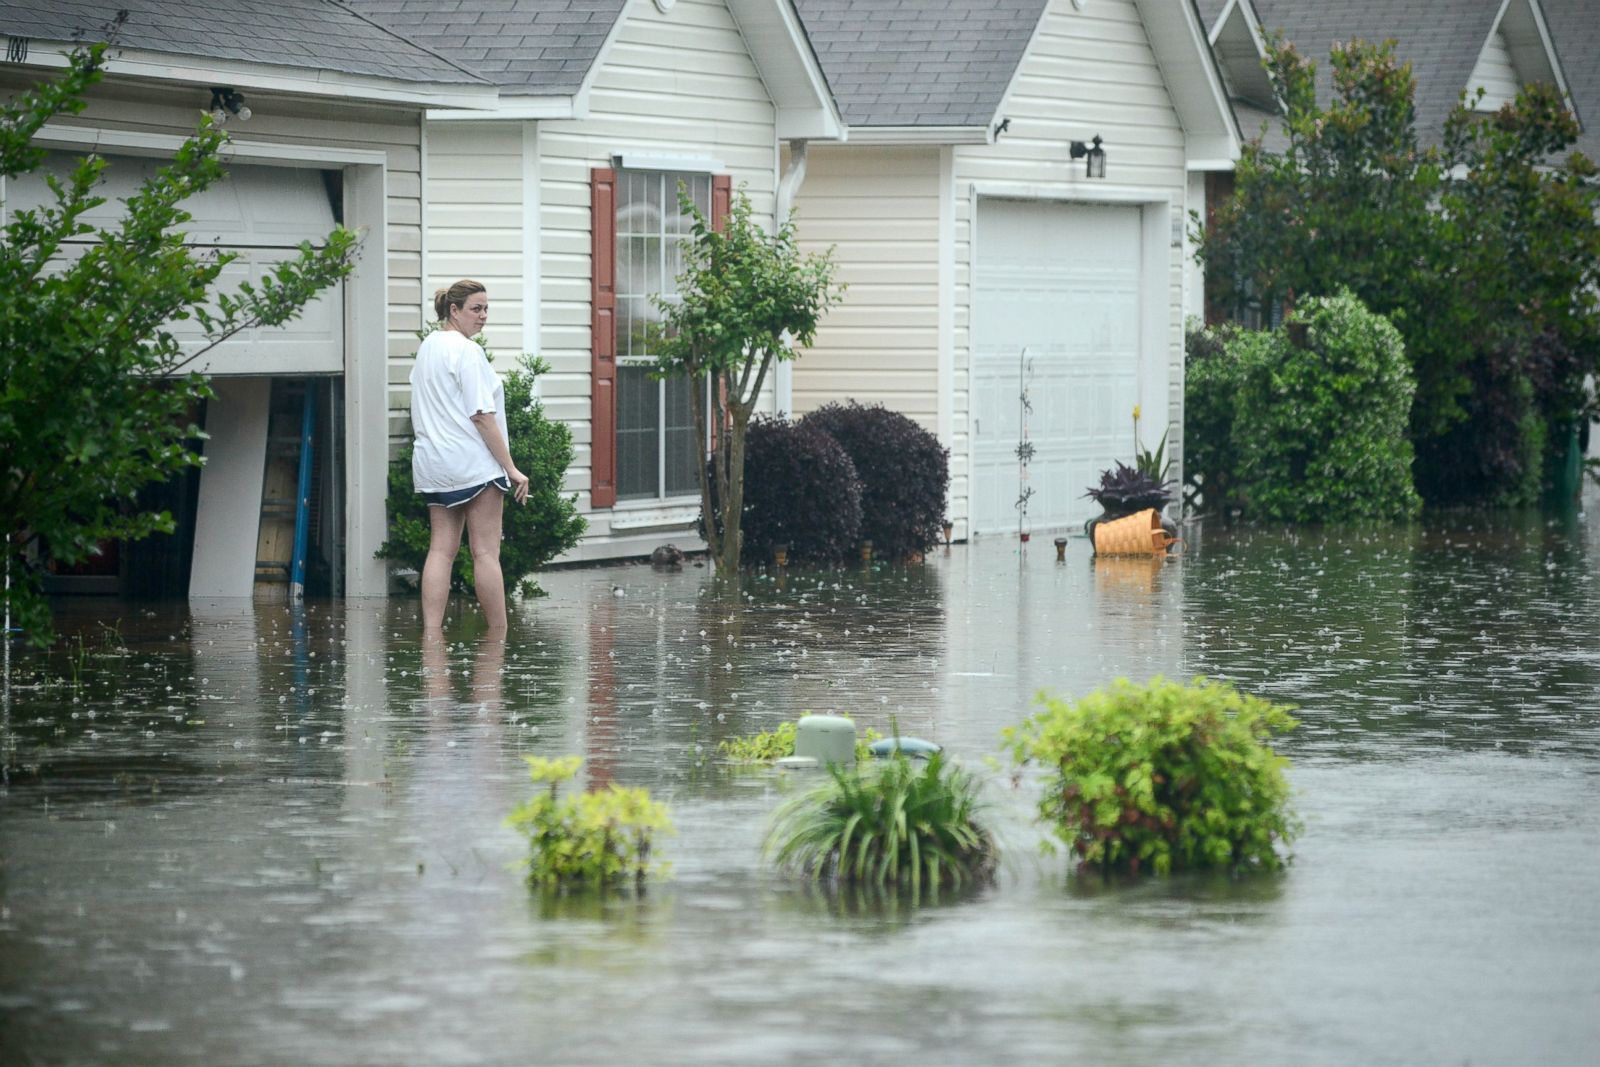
(563, 202)
(981, 254)
(325, 112)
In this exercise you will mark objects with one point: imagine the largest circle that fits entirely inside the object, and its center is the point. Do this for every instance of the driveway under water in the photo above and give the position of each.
(250, 835)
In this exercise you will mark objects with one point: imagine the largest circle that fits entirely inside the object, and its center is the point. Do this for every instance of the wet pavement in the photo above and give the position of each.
(256, 835)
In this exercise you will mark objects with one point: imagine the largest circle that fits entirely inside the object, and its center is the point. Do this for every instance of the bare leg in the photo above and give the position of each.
(444, 542)
(483, 534)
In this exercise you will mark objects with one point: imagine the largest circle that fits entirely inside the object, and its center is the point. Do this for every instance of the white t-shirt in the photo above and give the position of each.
(451, 382)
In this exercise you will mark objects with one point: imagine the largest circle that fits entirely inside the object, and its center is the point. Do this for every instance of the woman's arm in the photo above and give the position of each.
(490, 430)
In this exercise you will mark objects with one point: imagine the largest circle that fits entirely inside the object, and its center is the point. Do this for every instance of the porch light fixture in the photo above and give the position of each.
(1096, 165)
(225, 102)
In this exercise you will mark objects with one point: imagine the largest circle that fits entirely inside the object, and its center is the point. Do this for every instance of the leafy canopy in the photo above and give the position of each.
(95, 402)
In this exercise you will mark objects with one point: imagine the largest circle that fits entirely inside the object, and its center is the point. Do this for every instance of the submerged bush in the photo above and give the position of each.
(595, 839)
(800, 489)
(1163, 777)
(534, 533)
(905, 474)
(889, 822)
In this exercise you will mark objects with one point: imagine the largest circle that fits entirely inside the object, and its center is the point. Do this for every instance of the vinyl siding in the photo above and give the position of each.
(878, 208)
(675, 84)
(1495, 74)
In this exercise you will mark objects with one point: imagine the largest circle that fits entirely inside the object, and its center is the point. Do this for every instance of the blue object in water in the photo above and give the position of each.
(302, 497)
(915, 747)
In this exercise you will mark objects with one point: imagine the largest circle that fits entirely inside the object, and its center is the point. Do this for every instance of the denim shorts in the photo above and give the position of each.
(454, 498)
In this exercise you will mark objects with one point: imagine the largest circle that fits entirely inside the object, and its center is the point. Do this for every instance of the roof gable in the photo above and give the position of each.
(929, 63)
(297, 34)
(1443, 40)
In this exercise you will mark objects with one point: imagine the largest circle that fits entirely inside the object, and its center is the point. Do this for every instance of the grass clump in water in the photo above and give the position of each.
(1163, 777)
(889, 823)
(596, 839)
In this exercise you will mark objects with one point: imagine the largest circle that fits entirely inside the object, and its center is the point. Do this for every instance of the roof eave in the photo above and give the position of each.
(1194, 83)
(789, 67)
(266, 77)
(915, 135)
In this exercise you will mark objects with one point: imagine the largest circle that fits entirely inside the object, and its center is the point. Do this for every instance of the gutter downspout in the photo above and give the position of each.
(794, 173)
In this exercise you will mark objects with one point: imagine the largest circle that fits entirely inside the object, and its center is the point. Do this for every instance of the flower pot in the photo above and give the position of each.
(1142, 533)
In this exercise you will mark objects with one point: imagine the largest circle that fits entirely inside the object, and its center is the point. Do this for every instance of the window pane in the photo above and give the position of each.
(680, 440)
(638, 433)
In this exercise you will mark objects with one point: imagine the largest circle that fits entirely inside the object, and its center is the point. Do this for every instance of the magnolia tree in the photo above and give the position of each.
(95, 400)
(745, 300)
(1484, 252)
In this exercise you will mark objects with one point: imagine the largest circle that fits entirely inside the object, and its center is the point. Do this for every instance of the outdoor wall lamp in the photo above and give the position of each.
(225, 102)
(1096, 165)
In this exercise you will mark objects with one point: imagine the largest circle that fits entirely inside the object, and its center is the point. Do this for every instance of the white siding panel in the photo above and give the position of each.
(879, 209)
(681, 84)
(1495, 74)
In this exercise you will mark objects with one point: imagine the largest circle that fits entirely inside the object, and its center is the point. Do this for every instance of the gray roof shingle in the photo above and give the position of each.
(526, 47)
(1209, 10)
(1441, 39)
(919, 62)
(1575, 29)
(303, 34)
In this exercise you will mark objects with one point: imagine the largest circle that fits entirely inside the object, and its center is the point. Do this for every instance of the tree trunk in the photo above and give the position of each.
(697, 408)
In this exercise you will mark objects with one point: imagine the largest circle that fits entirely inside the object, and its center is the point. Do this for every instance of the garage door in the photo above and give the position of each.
(261, 214)
(1056, 286)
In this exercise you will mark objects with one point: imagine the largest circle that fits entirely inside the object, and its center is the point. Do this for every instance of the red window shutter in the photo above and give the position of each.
(721, 200)
(603, 338)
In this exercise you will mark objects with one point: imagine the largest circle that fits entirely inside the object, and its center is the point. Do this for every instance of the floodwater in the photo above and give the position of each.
(234, 835)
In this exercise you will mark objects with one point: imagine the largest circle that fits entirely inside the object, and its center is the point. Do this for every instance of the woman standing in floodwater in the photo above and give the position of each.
(461, 463)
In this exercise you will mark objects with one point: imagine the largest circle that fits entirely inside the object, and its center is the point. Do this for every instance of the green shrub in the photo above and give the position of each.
(904, 473)
(1216, 361)
(595, 839)
(534, 533)
(889, 822)
(1309, 422)
(767, 747)
(1163, 777)
(801, 490)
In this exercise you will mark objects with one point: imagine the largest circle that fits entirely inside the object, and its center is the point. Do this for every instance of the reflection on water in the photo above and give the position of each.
(238, 834)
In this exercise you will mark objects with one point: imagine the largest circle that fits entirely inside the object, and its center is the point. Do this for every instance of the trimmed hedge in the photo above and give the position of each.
(800, 489)
(904, 471)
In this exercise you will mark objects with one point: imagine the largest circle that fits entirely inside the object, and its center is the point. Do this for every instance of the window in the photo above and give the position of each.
(636, 248)
(656, 451)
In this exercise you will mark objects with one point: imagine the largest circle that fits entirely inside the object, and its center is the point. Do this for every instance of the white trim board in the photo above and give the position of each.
(139, 143)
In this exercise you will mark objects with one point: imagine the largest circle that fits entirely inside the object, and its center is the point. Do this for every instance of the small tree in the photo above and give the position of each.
(745, 300)
(94, 401)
